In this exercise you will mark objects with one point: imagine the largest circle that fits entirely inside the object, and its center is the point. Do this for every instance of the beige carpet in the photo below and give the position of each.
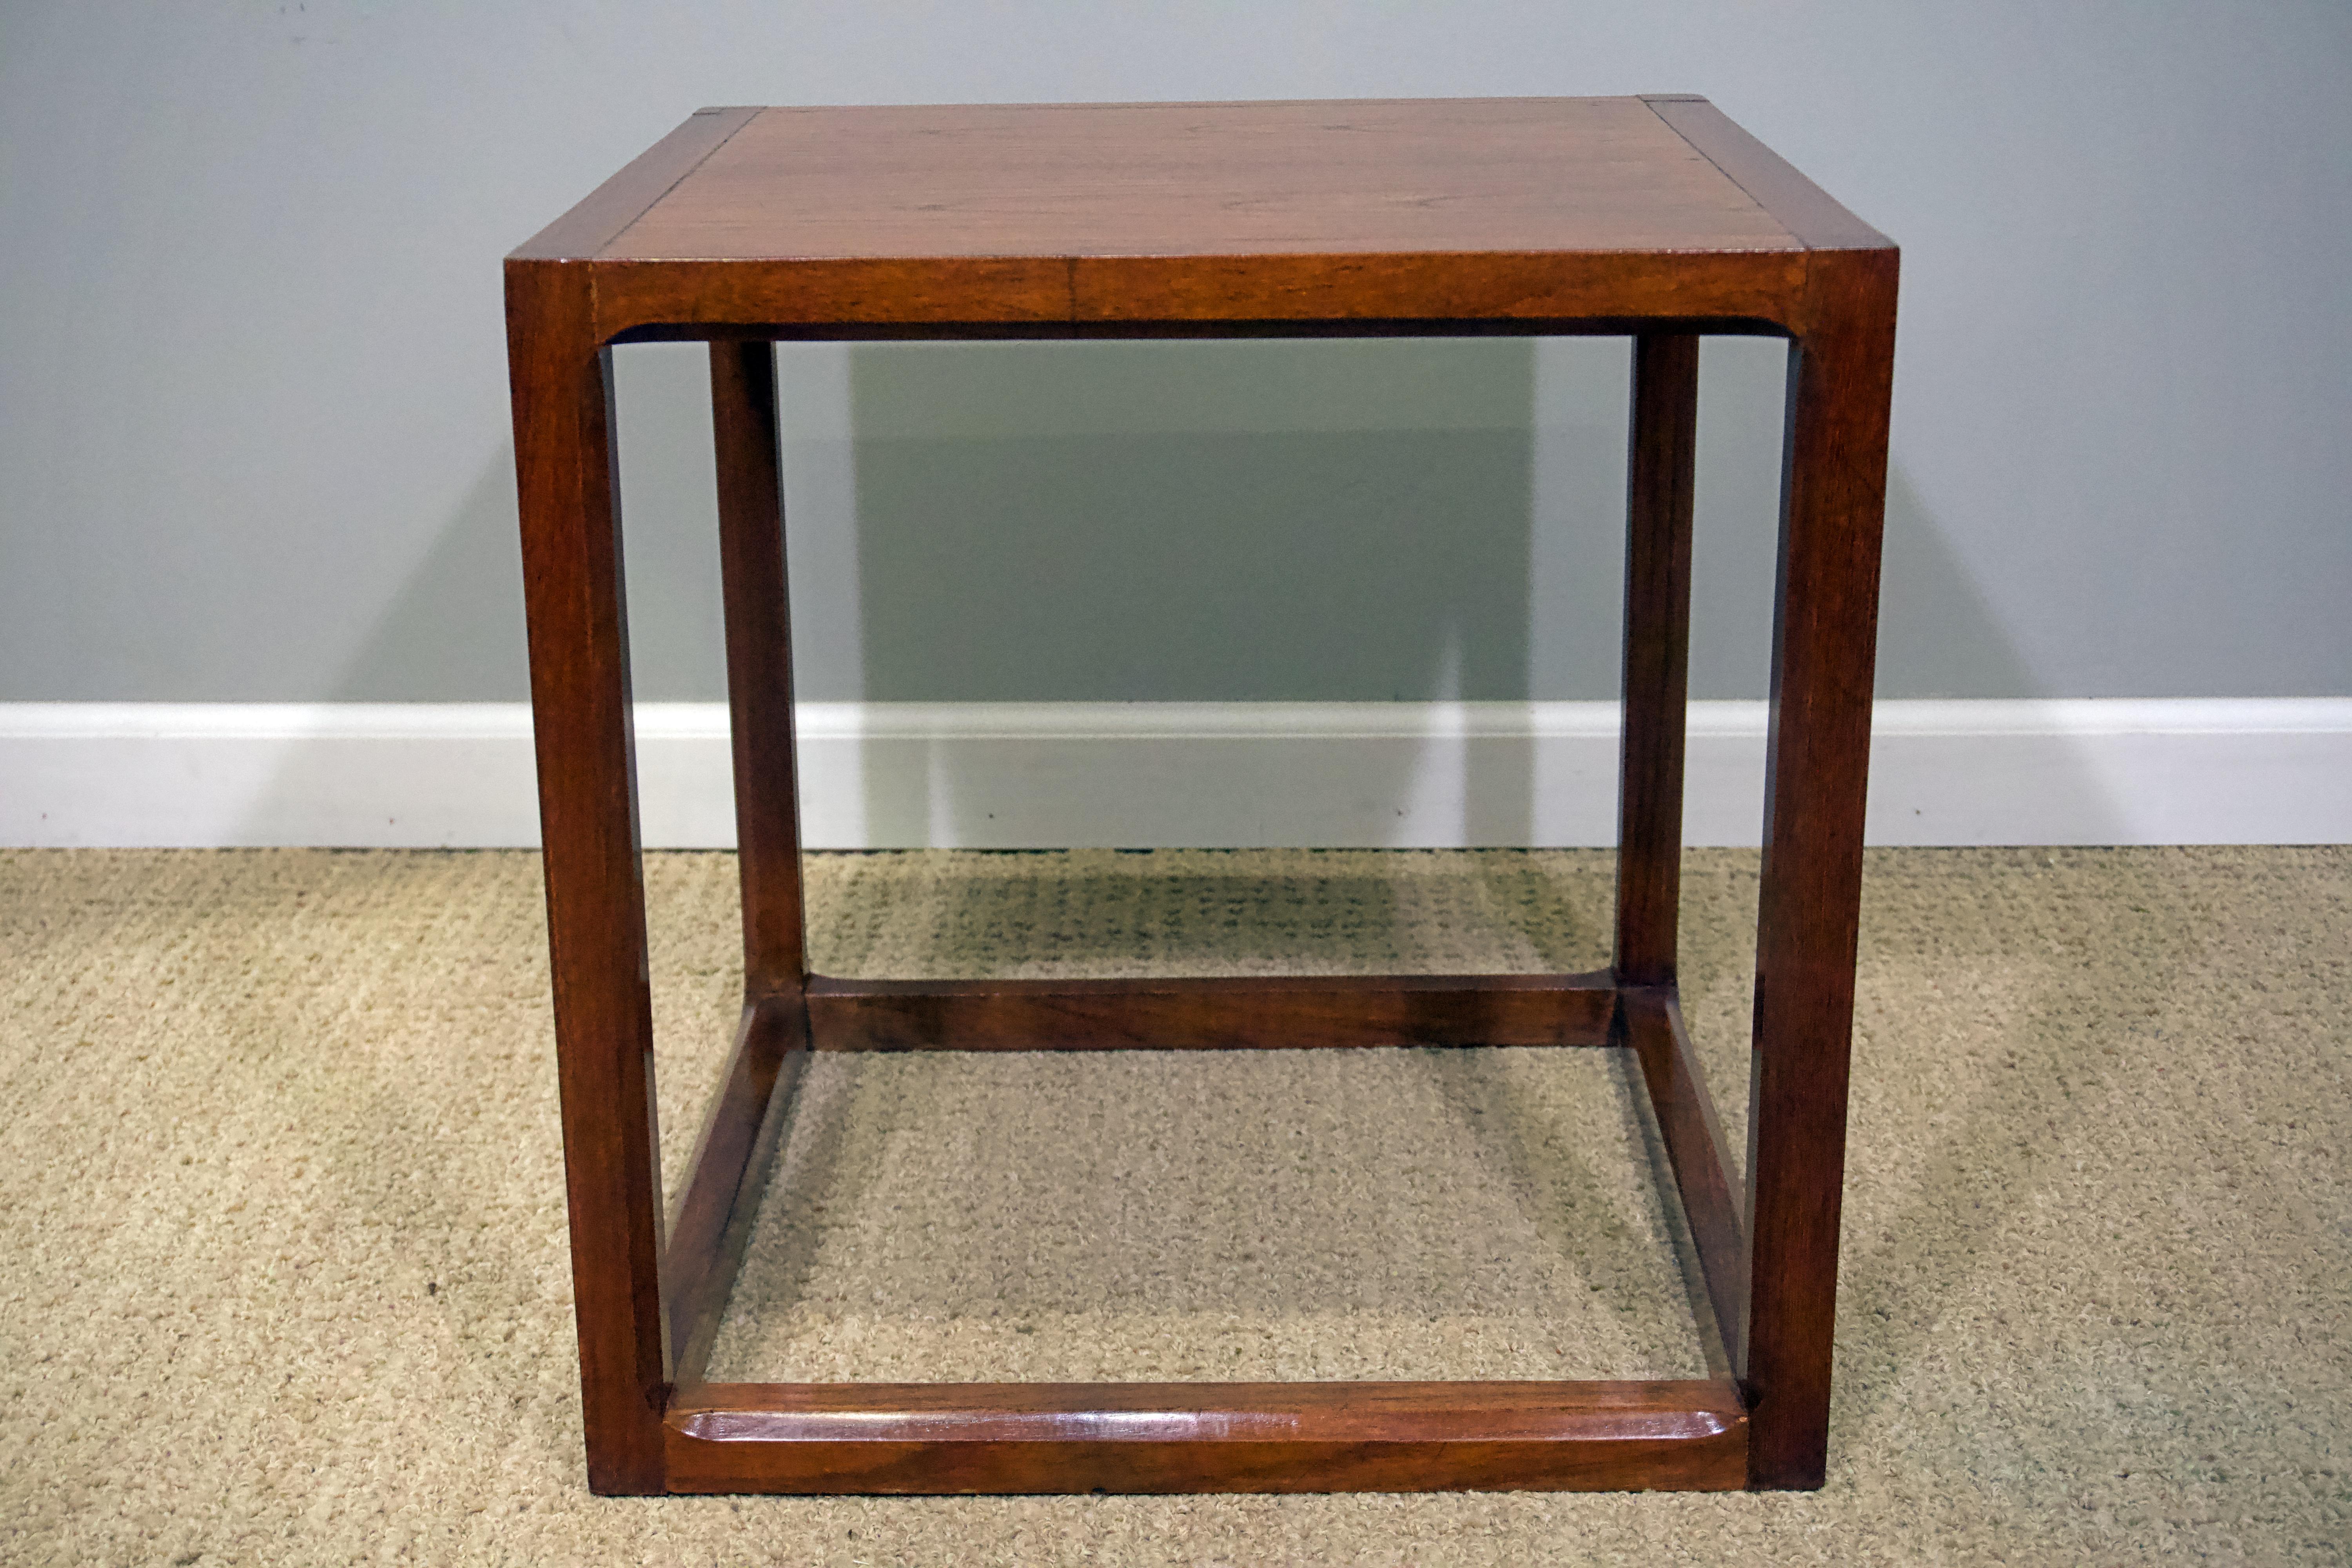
(283, 1278)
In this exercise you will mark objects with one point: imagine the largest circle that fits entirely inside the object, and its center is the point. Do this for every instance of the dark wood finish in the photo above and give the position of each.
(1296, 329)
(1543, 286)
(727, 1174)
(1655, 218)
(1658, 490)
(759, 665)
(981, 296)
(1696, 1152)
(776, 296)
(1824, 643)
(1809, 907)
(1203, 1436)
(569, 497)
(1251, 1013)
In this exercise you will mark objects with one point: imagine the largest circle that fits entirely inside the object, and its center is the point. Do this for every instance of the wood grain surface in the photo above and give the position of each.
(985, 218)
(1806, 211)
(1200, 179)
(600, 217)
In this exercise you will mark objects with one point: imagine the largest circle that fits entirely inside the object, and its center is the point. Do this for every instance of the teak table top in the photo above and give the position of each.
(1452, 209)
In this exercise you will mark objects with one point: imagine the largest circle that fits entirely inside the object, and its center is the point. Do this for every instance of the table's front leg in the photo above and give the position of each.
(562, 383)
(1823, 643)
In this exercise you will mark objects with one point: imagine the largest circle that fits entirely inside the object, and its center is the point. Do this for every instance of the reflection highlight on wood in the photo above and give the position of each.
(1204, 1436)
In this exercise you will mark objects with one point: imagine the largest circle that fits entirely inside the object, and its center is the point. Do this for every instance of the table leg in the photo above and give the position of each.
(745, 1123)
(562, 383)
(1657, 655)
(759, 665)
(1824, 644)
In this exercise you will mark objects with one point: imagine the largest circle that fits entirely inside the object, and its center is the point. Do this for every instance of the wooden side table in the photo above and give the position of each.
(1655, 218)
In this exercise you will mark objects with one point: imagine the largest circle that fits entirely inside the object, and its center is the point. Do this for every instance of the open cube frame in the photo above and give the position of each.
(1656, 218)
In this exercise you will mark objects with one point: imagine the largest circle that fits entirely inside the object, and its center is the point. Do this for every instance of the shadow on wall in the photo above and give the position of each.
(1381, 519)
(1194, 522)
(1187, 521)
(454, 631)
(1357, 520)
(1939, 636)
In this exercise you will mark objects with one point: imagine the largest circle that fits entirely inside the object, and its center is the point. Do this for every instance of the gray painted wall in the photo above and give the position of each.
(252, 398)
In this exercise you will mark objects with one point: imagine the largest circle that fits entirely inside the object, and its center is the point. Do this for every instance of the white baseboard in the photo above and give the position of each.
(1019, 775)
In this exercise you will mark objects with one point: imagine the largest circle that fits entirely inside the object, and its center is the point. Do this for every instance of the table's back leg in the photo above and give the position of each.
(745, 1123)
(1657, 655)
(561, 384)
(759, 665)
(1823, 641)
(1659, 487)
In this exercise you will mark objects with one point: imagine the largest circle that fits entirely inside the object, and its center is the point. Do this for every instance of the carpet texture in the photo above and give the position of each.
(283, 1275)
